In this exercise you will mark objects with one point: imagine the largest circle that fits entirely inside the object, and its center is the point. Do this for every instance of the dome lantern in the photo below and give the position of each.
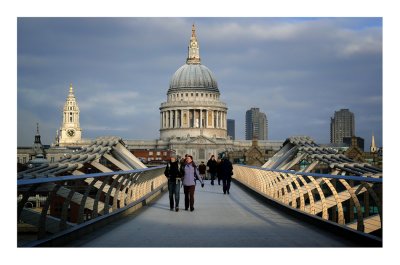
(193, 49)
(193, 75)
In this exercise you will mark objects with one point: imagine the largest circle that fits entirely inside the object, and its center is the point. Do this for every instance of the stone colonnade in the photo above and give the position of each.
(193, 118)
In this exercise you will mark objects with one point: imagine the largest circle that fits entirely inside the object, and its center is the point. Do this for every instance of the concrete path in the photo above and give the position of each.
(235, 220)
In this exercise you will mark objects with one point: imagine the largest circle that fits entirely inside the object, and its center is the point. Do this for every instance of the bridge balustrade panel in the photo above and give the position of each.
(49, 206)
(351, 201)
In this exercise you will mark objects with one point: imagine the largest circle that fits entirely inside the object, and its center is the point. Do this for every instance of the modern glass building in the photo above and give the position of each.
(256, 125)
(342, 125)
(231, 128)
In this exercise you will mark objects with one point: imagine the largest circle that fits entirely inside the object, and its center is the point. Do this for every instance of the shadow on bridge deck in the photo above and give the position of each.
(235, 220)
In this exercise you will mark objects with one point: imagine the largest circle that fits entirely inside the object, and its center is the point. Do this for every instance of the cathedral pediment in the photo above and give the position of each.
(200, 140)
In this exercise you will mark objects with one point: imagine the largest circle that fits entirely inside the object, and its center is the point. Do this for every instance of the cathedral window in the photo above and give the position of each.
(197, 94)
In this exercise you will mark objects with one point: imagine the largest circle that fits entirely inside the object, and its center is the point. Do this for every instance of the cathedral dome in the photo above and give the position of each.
(193, 108)
(193, 76)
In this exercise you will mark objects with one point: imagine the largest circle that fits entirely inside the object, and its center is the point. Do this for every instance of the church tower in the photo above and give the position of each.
(37, 145)
(70, 131)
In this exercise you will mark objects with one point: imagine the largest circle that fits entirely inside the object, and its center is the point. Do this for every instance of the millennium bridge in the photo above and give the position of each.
(103, 196)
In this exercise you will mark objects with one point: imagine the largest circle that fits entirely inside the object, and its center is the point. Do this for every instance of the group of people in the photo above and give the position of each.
(185, 172)
(222, 170)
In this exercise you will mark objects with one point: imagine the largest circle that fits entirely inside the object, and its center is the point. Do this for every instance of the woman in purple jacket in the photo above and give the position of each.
(190, 174)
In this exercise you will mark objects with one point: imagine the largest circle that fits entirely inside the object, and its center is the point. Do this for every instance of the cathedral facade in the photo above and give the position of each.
(193, 106)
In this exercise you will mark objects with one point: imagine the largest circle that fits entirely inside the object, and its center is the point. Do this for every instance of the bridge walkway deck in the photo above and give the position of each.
(235, 220)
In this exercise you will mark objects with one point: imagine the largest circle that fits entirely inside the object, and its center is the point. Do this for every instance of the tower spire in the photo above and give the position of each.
(193, 31)
(193, 49)
(37, 136)
(373, 148)
(71, 89)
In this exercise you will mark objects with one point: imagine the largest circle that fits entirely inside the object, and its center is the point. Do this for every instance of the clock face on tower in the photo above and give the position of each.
(71, 132)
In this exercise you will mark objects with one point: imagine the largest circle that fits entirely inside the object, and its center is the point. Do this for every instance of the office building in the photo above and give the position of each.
(342, 125)
(231, 129)
(256, 125)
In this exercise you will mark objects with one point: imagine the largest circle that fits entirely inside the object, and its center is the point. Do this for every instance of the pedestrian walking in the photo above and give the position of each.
(202, 170)
(219, 170)
(212, 168)
(190, 173)
(173, 175)
(226, 171)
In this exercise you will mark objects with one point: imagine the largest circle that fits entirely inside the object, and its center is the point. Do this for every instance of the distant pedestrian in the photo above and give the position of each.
(226, 171)
(212, 168)
(202, 170)
(219, 170)
(190, 173)
(173, 174)
(182, 162)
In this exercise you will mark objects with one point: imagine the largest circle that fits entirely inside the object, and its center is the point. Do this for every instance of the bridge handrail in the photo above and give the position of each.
(23, 182)
(320, 175)
(54, 207)
(351, 201)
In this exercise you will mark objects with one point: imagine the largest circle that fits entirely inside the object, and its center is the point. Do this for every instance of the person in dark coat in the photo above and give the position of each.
(174, 176)
(226, 171)
(212, 168)
(202, 170)
(218, 166)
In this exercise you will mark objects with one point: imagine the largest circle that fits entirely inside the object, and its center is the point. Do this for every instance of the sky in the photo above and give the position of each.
(298, 71)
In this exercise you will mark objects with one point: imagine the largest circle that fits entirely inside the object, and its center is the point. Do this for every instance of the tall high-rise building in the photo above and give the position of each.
(231, 128)
(256, 125)
(342, 125)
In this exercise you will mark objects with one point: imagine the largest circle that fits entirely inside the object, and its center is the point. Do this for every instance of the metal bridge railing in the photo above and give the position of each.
(47, 206)
(351, 201)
